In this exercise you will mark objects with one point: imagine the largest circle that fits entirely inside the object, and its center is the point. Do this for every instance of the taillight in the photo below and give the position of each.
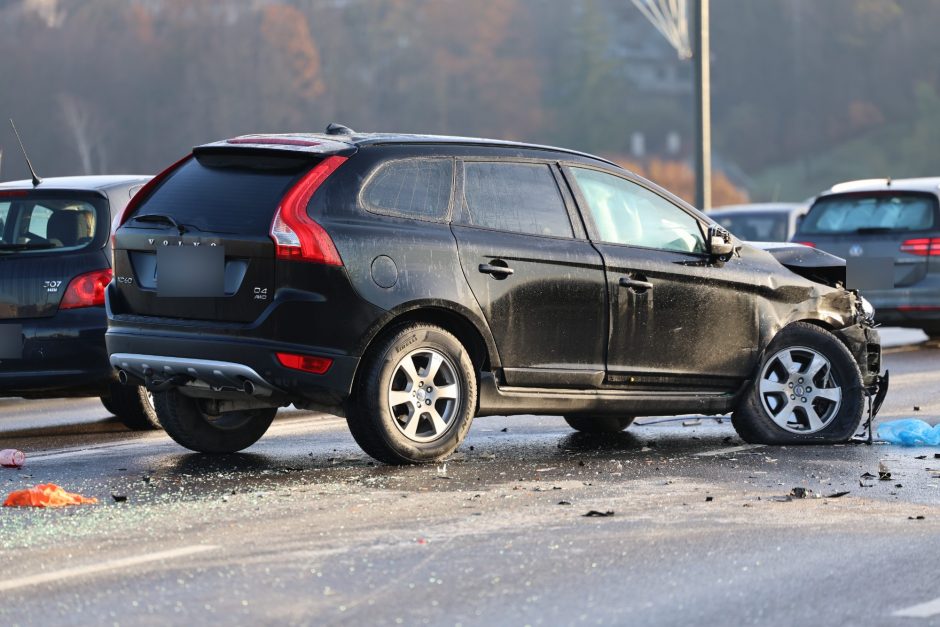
(922, 246)
(810, 244)
(86, 290)
(306, 363)
(13, 193)
(142, 195)
(296, 235)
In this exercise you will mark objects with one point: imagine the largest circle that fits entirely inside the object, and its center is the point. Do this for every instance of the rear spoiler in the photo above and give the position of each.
(320, 146)
(811, 263)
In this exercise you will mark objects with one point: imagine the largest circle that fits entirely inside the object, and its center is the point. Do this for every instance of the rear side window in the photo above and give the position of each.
(517, 197)
(879, 212)
(414, 188)
(52, 224)
(226, 193)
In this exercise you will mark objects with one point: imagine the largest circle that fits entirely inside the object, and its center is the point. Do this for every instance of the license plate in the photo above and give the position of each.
(11, 341)
(193, 271)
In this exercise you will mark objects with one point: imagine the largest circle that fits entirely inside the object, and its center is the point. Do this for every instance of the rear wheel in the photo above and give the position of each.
(599, 424)
(808, 391)
(133, 405)
(415, 398)
(187, 422)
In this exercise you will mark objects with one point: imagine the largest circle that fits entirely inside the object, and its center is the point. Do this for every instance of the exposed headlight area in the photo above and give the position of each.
(868, 309)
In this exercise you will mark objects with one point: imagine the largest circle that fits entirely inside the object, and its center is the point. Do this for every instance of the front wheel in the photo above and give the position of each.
(187, 422)
(415, 398)
(808, 391)
(599, 424)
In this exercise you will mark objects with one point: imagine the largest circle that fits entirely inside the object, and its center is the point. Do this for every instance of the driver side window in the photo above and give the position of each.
(626, 213)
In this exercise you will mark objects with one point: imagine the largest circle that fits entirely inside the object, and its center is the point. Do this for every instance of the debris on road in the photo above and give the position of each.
(12, 458)
(883, 473)
(836, 495)
(45, 495)
(691, 423)
(909, 432)
(118, 498)
(916, 517)
(596, 514)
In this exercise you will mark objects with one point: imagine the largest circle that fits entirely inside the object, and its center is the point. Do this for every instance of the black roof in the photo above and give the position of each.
(328, 143)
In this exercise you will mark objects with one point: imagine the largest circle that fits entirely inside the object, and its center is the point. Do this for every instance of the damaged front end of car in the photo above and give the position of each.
(847, 313)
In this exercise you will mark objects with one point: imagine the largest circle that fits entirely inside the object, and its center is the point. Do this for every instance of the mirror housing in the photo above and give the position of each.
(719, 241)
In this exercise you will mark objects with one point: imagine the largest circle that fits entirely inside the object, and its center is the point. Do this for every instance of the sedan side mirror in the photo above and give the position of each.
(720, 242)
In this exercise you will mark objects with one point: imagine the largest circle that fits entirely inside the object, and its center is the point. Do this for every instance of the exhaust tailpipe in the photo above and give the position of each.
(249, 388)
(122, 377)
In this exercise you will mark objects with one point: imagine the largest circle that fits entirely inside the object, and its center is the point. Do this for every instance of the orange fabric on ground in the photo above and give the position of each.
(45, 495)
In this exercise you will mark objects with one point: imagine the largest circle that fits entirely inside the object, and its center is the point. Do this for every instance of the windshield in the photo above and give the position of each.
(757, 226)
(34, 223)
(873, 212)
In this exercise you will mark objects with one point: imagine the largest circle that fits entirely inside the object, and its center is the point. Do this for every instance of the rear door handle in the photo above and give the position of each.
(500, 271)
(634, 284)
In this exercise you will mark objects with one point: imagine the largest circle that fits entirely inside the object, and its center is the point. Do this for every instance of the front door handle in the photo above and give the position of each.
(633, 284)
(497, 271)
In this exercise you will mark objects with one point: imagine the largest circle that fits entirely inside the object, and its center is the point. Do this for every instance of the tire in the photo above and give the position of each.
(599, 424)
(420, 428)
(133, 405)
(230, 432)
(820, 364)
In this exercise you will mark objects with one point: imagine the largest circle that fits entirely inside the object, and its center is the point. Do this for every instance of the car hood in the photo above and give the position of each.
(810, 263)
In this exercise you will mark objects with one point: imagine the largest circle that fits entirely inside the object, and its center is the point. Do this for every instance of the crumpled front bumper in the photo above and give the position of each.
(864, 343)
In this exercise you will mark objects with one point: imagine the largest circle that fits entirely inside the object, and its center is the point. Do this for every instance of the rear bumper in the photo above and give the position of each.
(223, 364)
(917, 306)
(63, 355)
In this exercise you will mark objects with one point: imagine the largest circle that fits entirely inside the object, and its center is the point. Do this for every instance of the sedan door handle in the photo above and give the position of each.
(634, 284)
(498, 271)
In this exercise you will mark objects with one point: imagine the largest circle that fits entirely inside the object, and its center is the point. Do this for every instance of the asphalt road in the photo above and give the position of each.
(304, 529)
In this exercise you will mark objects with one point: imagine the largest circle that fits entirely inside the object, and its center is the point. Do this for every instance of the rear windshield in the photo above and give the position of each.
(35, 223)
(879, 212)
(757, 227)
(225, 193)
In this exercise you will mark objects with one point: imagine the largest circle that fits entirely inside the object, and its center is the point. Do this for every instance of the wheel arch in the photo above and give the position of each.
(465, 326)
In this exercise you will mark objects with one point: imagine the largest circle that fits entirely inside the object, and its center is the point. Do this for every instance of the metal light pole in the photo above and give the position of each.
(703, 108)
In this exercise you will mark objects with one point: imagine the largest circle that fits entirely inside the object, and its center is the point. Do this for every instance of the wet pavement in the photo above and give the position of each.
(303, 528)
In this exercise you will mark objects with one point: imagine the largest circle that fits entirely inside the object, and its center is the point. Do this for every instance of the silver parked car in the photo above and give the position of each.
(895, 219)
(761, 222)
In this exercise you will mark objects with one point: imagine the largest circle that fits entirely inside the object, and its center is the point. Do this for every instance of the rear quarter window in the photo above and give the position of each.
(412, 188)
(516, 197)
(871, 213)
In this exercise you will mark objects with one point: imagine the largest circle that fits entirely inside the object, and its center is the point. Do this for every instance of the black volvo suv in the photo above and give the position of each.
(414, 282)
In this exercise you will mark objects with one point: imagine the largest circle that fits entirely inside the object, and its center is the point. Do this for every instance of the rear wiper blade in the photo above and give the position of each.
(159, 218)
(30, 246)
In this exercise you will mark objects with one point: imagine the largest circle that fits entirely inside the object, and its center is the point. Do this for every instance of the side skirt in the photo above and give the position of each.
(503, 401)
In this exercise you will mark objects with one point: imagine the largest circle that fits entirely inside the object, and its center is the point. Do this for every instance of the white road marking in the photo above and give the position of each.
(288, 427)
(730, 449)
(80, 571)
(924, 610)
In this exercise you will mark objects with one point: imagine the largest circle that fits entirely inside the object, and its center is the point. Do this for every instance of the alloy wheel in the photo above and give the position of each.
(798, 390)
(424, 395)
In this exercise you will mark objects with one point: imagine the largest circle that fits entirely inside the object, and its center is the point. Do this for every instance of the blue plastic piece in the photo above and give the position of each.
(909, 432)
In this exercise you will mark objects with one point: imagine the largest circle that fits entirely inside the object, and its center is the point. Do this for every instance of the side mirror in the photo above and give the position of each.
(720, 243)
